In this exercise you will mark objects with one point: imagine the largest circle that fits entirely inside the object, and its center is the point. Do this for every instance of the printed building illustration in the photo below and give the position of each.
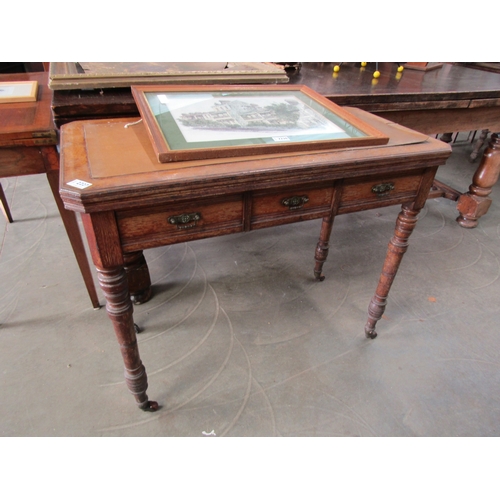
(239, 114)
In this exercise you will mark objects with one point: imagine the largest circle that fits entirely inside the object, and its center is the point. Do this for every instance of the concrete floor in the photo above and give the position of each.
(239, 340)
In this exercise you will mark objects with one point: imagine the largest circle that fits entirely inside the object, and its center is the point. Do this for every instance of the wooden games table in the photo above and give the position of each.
(28, 145)
(130, 202)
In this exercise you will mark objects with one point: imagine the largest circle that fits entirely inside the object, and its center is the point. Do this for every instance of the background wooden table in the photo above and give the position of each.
(449, 99)
(452, 98)
(28, 140)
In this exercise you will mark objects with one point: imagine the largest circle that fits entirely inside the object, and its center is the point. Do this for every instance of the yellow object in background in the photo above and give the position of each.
(376, 74)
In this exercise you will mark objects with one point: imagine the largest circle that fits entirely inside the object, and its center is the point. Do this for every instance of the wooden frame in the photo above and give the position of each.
(18, 91)
(193, 122)
(100, 75)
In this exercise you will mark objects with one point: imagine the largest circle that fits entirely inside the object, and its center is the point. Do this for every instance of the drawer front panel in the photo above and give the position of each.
(176, 223)
(290, 205)
(375, 191)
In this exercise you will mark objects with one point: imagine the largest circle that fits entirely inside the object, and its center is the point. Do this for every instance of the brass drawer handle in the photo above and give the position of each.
(383, 189)
(185, 221)
(295, 202)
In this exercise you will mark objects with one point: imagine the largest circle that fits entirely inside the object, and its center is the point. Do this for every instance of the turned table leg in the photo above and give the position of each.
(105, 247)
(475, 203)
(406, 221)
(322, 247)
(119, 307)
(326, 230)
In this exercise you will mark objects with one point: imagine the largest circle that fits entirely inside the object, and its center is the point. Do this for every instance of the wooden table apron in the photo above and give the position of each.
(134, 203)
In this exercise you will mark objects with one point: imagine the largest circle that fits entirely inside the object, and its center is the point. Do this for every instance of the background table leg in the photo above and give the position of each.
(406, 221)
(479, 144)
(475, 203)
(139, 280)
(447, 137)
(4, 206)
(75, 238)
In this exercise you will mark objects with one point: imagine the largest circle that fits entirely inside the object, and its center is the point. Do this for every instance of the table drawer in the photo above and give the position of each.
(179, 222)
(376, 191)
(291, 205)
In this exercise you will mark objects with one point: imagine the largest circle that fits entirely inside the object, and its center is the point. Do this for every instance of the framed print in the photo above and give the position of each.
(192, 122)
(18, 91)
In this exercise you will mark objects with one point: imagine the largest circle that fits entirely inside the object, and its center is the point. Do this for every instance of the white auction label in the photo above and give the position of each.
(77, 183)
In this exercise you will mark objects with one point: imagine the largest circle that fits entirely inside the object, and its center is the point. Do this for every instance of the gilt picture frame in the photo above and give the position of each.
(193, 122)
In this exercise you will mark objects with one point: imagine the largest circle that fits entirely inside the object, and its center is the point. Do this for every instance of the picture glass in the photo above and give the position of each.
(199, 120)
